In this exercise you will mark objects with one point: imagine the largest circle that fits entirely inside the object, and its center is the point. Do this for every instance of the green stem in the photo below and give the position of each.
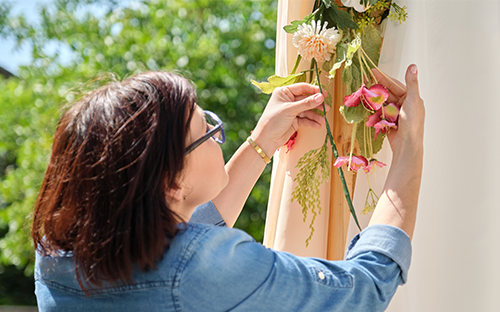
(383, 74)
(364, 76)
(297, 62)
(368, 69)
(336, 154)
(313, 66)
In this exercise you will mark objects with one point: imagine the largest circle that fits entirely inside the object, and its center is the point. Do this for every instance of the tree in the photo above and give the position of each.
(220, 45)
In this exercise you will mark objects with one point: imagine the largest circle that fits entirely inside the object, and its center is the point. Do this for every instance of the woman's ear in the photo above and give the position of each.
(175, 193)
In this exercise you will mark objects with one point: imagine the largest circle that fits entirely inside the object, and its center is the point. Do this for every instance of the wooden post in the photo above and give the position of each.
(339, 210)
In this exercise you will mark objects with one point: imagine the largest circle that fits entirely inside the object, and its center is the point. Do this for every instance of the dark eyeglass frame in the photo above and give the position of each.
(210, 133)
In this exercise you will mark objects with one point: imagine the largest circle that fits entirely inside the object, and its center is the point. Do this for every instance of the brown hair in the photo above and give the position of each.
(115, 153)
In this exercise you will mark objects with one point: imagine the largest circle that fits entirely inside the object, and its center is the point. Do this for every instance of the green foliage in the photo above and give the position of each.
(371, 42)
(276, 81)
(361, 58)
(370, 2)
(366, 139)
(219, 45)
(314, 170)
(375, 14)
(342, 19)
(295, 24)
(344, 54)
(371, 201)
(340, 57)
(353, 114)
(399, 13)
(351, 77)
(352, 48)
(15, 288)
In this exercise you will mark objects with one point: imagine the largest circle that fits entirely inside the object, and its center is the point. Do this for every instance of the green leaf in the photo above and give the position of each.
(371, 42)
(352, 48)
(353, 114)
(351, 77)
(369, 2)
(342, 18)
(327, 65)
(365, 137)
(340, 57)
(276, 81)
(293, 28)
(328, 3)
(345, 52)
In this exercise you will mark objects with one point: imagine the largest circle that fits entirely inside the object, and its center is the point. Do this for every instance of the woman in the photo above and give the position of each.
(130, 163)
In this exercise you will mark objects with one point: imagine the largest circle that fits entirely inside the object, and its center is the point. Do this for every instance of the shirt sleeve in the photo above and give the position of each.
(245, 276)
(207, 214)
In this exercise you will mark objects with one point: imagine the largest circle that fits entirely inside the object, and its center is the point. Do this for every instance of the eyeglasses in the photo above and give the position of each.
(215, 130)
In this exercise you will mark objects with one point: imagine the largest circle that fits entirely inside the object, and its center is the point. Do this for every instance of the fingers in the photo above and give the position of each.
(312, 101)
(312, 115)
(412, 82)
(394, 86)
(299, 89)
(305, 122)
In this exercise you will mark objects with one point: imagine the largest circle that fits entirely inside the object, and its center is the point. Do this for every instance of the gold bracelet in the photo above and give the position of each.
(259, 150)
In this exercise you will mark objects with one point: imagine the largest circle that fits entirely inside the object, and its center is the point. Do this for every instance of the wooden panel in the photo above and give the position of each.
(339, 210)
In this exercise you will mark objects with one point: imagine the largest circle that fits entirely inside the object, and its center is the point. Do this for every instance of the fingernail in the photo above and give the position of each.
(318, 98)
(413, 69)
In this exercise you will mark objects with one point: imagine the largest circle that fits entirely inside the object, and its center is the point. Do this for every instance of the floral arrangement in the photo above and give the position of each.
(342, 36)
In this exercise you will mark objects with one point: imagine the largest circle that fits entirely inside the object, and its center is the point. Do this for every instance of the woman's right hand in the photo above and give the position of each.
(289, 108)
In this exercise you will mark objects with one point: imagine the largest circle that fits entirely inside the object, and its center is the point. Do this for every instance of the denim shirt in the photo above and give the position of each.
(213, 268)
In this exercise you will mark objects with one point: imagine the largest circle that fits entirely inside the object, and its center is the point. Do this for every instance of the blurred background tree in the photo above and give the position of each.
(220, 45)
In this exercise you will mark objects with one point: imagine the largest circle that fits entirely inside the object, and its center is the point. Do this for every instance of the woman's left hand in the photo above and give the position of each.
(289, 108)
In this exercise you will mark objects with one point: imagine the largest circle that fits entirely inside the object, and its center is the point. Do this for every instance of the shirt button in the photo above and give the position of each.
(321, 275)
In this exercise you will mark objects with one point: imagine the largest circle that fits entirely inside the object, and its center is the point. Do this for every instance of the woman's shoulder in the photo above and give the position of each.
(221, 263)
(204, 245)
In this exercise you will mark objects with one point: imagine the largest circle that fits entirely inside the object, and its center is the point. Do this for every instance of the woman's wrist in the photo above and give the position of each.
(408, 151)
(268, 148)
(259, 150)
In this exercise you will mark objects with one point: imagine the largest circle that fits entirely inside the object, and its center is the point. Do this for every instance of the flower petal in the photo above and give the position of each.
(391, 112)
(375, 97)
(291, 142)
(316, 41)
(383, 126)
(372, 164)
(356, 162)
(373, 119)
(355, 98)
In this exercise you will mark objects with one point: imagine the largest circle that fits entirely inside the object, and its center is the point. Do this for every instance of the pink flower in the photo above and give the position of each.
(291, 142)
(375, 97)
(356, 162)
(384, 119)
(373, 119)
(391, 112)
(372, 164)
(355, 98)
(372, 98)
(383, 126)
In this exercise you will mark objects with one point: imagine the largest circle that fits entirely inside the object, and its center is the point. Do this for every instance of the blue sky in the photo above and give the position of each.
(10, 56)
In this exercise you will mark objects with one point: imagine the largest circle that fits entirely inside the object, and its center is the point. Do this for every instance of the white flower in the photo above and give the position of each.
(316, 42)
(356, 5)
